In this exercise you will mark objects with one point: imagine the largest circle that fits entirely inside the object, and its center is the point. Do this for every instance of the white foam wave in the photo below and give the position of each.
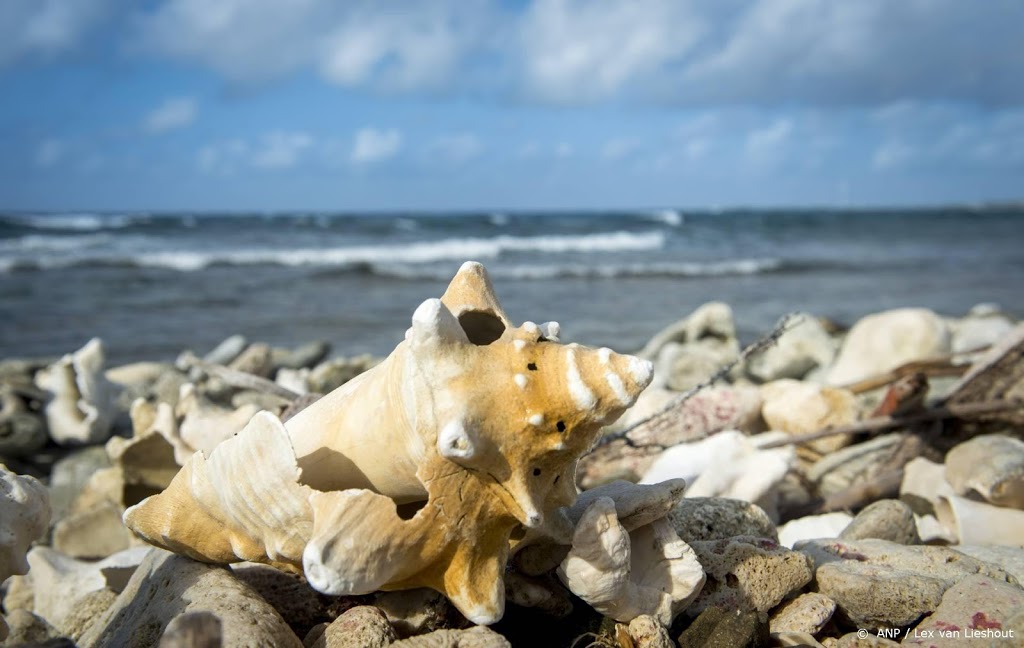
(413, 253)
(603, 271)
(41, 243)
(669, 217)
(75, 222)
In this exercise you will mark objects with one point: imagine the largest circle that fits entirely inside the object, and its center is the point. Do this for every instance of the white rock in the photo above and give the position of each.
(81, 409)
(728, 464)
(801, 349)
(296, 380)
(624, 575)
(810, 527)
(881, 342)
(24, 517)
(926, 480)
(694, 348)
(800, 408)
(977, 523)
(984, 326)
(61, 582)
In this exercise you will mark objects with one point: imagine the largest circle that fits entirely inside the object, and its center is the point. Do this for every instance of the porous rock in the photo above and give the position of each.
(646, 632)
(363, 626)
(886, 520)
(27, 629)
(976, 608)
(1008, 559)
(478, 637)
(883, 341)
(881, 584)
(24, 517)
(698, 519)
(747, 573)
(806, 613)
(166, 586)
(719, 627)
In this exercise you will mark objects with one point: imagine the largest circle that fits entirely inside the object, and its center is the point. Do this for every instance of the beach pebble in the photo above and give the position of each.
(229, 349)
(806, 613)
(853, 464)
(713, 518)
(193, 630)
(886, 520)
(883, 341)
(166, 586)
(881, 584)
(255, 360)
(305, 356)
(26, 629)
(976, 608)
(415, 611)
(476, 637)
(800, 408)
(693, 349)
(745, 573)
(24, 517)
(983, 326)
(363, 626)
(803, 348)
(989, 467)
(22, 431)
(718, 626)
(1007, 559)
(293, 598)
(328, 376)
(646, 632)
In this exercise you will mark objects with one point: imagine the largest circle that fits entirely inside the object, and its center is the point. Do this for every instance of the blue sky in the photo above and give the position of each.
(466, 104)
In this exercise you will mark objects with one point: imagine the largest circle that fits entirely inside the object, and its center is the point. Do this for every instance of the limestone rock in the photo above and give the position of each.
(363, 626)
(698, 519)
(26, 628)
(24, 517)
(883, 341)
(748, 574)
(976, 608)
(255, 360)
(415, 611)
(646, 632)
(693, 349)
(22, 431)
(881, 584)
(984, 326)
(1007, 559)
(328, 376)
(886, 520)
(800, 408)
(718, 627)
(227, 350)
(70, 475)
(306, 356)
(804, 347)
(478, 637)
(806, 613)
(166, 586)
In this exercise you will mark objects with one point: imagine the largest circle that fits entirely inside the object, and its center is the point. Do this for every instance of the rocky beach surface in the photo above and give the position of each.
(828, 486)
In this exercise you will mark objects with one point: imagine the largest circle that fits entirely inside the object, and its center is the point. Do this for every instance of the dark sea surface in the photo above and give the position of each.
(151, 285)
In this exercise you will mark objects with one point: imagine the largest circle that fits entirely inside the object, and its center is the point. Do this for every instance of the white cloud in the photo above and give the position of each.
(371, 145)
(171, 114)
(585, 50)
(619, 148)
(457, 148)
(892, 154)
(281, 150)
(765, 143)
(46, 27)
(222, 157)
(49, 152)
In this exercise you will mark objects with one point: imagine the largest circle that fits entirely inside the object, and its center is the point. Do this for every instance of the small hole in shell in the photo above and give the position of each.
(536, 472)
(532, 366)
(561, 426)
(557, 477)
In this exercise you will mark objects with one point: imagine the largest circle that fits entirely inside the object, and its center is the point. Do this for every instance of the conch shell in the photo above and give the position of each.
(417, 472)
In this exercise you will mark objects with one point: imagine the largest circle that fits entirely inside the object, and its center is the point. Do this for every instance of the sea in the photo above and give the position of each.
(152, 284)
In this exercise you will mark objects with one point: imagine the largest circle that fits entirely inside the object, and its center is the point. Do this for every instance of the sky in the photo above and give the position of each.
(436, 105)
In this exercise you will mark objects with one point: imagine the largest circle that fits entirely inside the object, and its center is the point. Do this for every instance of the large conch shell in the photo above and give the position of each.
(417, 472)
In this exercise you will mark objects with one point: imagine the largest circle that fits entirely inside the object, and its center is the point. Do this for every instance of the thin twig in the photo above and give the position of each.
(786, 323)
(879, 423)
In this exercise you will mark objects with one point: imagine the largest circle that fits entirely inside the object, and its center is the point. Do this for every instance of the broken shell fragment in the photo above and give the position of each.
(415, 473)
(81, 407)
(991, 466)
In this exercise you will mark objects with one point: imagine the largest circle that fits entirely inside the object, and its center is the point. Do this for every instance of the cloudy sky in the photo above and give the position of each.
(463, 104)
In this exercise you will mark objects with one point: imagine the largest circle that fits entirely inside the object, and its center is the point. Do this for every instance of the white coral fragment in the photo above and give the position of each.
(81, 407)
(624, 575)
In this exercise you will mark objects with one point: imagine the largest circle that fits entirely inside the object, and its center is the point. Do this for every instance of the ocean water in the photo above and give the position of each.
(151, 285)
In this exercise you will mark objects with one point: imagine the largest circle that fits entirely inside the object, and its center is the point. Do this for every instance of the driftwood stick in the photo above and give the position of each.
(664, 417)
(879, 423)
(940, 366)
